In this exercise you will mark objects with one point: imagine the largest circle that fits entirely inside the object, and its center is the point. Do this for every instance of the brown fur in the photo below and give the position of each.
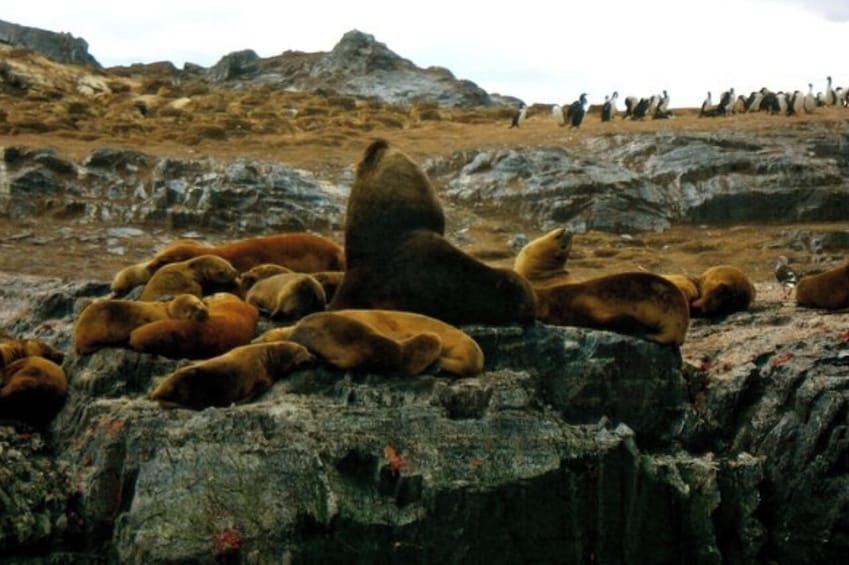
(254, 274)
(34, 389)
(231, 322)
(109, 322)
(12, 349)
(829, 289)
(543, 260)
(130, 277)
(641, 304)
(398, 258)
(239, 375)
(287, 295)
(200, 276)
(302, 252)
(722, 290)
(384, 340)
(329, 281)
(688, 285)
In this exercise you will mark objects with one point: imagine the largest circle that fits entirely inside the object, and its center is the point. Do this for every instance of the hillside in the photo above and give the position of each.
(207, 113)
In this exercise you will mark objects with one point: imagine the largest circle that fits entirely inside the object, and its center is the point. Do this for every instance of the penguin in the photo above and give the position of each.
(521, 110)
(608, 110)
(769, 102)
(707, 106)
(577, 111)
(557, 114)
(830, 97)
(809, 102)
(740, 105)
(842, 98)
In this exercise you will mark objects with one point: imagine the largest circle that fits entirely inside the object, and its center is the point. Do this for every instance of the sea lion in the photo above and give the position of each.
(33, 390)
(829, 289)
(723, 289)
(329, 281)
(302, 252)
(199, 275)
(384, 340)
(398, 259)
(130, 277)
(109, 322)
(254, 274)
(239, 375)
(12, 349)
(287, 295)
(231, 322)
(688, 285)
(640, 304)
(542, 261)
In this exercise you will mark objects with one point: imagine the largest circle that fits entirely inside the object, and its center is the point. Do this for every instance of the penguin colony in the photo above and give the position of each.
(729, 102)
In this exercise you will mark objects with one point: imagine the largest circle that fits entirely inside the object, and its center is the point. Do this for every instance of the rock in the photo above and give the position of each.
(234, 65)
(61, 47)
(646, 182)
(575, 443)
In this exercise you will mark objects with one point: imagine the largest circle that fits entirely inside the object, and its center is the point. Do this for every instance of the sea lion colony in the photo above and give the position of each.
(388, 301)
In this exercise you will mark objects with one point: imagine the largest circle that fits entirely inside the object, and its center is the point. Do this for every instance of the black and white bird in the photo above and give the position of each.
(577, 111)
(519, 116)
(785, 275)
(608, 110)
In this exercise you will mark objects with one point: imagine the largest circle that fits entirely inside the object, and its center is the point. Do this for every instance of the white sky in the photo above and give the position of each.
(538, 51)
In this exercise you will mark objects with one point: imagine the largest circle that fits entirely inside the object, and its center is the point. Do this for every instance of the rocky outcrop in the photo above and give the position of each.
(61, 47)
(574, 446)
(126, 187)
(358, 66)
(618, 183)
(633, 183)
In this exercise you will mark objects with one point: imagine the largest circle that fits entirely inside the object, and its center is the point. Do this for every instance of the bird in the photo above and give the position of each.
(557, 114)
(577, 111)
(830, 97)
(707, 106)
(785, 275)
(521, 110)
(608, 110)
(810, 101)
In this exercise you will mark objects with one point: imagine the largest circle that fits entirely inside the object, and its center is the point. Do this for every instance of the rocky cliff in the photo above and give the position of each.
(574, 446)
(61, 47)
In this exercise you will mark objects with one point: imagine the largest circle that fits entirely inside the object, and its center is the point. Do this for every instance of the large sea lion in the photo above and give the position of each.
(640, 304)
(398, 259)
(384, 341)
(236, 376)
(829, 289)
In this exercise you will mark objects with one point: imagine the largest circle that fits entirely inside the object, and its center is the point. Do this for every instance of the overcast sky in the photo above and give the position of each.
(537, 51)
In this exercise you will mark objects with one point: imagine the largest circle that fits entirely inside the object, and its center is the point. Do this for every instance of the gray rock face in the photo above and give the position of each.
(126, 187)
(61, 47)
(357, 66)
(632, 183)
(573, 446)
